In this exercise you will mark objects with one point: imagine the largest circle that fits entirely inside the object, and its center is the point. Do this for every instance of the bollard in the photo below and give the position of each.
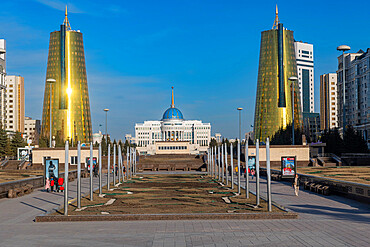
(246, 170)
(223, 164)
(91, 171)
(257, 172)
(114, 164)
(79, 174)
(108, 174)
(268, 168)
(232, 165)
(66, 178)
(100, 175)
(238, 167)
(226, 166)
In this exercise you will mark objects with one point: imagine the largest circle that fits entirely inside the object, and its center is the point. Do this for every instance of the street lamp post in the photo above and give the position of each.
(50, 81)
(106, 123)
(240, 123)
(344, 48)
(293, 79)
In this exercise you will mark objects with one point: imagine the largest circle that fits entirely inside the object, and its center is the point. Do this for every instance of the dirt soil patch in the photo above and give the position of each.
(168, 194)
(357, 174)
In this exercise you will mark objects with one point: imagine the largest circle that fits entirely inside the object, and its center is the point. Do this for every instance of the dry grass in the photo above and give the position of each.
(357, 174)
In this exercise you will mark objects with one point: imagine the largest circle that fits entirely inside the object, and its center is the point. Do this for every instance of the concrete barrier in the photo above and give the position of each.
(36, 182)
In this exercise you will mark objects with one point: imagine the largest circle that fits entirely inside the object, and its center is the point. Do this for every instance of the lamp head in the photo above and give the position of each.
(106, 110)
(239, 109)
(51, 80)
(343, 48)
(293, 78)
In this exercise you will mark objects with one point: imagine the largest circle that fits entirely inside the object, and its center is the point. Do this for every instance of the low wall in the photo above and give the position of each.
(36, 182)
(356, 191)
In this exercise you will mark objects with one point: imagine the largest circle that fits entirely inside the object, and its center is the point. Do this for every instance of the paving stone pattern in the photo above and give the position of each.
(324, 221)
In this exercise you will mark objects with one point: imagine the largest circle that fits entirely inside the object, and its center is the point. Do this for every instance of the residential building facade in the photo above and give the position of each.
(305, 68)
(15, 104)
(3, 83)
(328, 101)
(357, 94)
(32, 130)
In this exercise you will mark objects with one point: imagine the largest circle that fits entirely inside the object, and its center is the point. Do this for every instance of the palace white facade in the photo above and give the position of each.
(170, 129)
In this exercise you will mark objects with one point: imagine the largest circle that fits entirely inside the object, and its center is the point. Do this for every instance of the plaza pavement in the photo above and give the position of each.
(323, 221)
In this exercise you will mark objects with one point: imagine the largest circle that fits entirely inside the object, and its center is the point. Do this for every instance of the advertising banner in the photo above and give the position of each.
(52, 168)
(252, 162)
(23, 154)
(87, 164)
(288, 167)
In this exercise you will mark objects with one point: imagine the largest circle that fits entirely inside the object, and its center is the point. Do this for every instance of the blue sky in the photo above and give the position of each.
(207, 49)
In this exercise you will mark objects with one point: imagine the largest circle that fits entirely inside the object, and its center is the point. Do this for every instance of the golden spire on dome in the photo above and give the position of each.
(276, 22)
(66, 22)
(173, 100)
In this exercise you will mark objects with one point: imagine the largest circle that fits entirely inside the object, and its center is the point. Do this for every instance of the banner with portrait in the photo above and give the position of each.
(288, 167)
(51, 168)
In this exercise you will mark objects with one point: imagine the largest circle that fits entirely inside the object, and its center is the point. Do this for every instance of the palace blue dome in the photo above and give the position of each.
(172, 113)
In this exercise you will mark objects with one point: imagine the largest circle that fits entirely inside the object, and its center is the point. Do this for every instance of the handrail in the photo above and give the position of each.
(4, 162)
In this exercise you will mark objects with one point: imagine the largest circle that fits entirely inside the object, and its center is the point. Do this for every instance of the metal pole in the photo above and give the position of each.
(239, 167)
(268, 174)
(127, 167)
(344, 92)
(50, 139)
(108, 174)
(226, 166)
(213, 163)
(219, 163)
(66, 161)
(79, 174)
(246, 170)
(240, 123)
(100, 174)
(114, 164)
(232, 165)
(135, 160)
(91, 171)
(293, 112)
(223, 164)
(119, 164)
(258, 172)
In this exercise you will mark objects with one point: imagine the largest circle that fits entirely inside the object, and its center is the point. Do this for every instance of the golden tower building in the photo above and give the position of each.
(277, 63)
(70, 105)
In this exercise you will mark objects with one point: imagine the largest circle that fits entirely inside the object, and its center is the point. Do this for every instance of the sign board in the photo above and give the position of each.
(87, 164)
(51, 168)
(23, 154)
(252, 162)
(288, 166)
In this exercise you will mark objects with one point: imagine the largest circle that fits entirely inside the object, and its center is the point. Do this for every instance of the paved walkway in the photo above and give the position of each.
(324, 221)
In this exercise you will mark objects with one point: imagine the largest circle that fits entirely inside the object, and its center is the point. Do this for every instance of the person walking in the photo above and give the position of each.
(253, 172)
(296, 184)
(47, 185)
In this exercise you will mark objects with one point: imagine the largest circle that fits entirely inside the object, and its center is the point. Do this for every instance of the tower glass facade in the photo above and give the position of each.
(277, 63)
(70, 103)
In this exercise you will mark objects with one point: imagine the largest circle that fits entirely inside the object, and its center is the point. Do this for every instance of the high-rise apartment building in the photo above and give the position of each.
(305, 67)
(70, 103)
(32, 129)
(357, 93)
(2, 82)
(15, 106)
(274, 107)
(328, 101)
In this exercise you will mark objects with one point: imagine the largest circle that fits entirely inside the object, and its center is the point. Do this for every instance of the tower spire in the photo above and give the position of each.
(173, 100)
(276, 22)
(66, 22)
